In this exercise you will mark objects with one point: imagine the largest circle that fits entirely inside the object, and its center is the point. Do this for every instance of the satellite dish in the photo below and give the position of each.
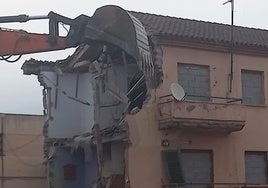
(177, 91)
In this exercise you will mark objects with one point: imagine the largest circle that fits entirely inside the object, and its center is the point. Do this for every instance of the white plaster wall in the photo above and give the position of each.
(110, 108)
(69, 117)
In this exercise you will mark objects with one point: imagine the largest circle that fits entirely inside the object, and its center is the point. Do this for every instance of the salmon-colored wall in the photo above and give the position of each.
(22, 164)
(144, 162)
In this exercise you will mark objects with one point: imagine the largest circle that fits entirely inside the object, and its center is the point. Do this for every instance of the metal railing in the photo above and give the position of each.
(227, 99)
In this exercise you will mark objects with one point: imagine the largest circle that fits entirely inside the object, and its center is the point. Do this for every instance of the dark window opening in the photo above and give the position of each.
(107, 152)
(69, 172)
(173, 167)
(137, 91)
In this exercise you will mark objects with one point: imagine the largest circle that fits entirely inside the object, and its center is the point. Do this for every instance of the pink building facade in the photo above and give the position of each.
(216, 136)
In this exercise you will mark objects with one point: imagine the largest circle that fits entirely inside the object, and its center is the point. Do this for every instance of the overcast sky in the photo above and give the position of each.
(21, 94)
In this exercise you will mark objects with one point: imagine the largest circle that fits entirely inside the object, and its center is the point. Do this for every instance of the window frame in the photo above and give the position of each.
(70, 172)
(167, 172)
(262, 84)
(265, 159)
(211, 156)
(205, 98)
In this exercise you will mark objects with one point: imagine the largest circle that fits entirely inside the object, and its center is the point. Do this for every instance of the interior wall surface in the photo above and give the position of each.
(66, 169)
(66, 98)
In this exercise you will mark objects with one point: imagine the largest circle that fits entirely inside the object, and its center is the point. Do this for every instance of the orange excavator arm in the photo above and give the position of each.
(109, 26)
(18, 42)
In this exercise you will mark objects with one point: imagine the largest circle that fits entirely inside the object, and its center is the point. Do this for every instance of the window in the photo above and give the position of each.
(252, 87)
(195, 81)
(107, 151)
(256, 167)
(173, 167)
(69, 172)
(189, 167)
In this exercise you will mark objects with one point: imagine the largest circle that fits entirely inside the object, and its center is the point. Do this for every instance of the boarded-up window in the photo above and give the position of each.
(252, 87)
(256, 167)
(195, 81)
(193, 168)
(69, 172)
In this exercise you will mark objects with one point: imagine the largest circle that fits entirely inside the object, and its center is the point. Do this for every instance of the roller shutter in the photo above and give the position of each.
(256, 167)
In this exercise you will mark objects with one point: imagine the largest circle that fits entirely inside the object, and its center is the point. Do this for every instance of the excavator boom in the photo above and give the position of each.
(18, 42)
(110, 26)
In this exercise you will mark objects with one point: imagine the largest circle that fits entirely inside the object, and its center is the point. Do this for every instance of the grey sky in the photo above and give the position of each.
(22, 94)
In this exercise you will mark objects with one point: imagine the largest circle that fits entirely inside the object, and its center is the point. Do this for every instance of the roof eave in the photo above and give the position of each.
(221, 46)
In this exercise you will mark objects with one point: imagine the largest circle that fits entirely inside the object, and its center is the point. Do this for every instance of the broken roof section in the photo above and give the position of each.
(117, 30)
(107, 77)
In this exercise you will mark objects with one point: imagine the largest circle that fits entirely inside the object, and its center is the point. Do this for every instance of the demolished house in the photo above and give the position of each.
(112, 121)
(87, 97)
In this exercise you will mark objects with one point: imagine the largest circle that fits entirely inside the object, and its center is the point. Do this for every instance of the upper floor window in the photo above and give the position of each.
(195, 81)
(256, 167)
(252, 87)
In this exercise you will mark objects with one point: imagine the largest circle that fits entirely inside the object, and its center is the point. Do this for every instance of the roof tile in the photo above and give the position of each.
(202, 31)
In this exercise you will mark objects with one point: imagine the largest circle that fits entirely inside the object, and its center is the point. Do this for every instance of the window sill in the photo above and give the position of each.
(256, 105)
